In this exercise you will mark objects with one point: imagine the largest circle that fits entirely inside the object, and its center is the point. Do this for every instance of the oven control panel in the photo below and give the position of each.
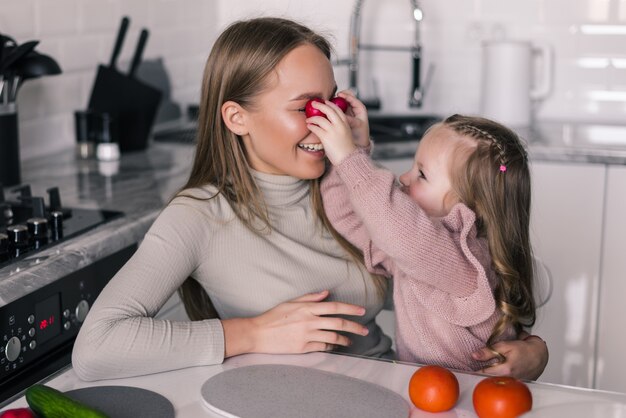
(37, 328)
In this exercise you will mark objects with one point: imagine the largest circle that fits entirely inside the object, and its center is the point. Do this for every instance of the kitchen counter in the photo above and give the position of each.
(182, 387)
(141, 183)
(549, 141)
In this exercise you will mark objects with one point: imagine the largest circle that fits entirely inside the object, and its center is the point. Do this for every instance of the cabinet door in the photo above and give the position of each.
(566, 231)
(611, 358)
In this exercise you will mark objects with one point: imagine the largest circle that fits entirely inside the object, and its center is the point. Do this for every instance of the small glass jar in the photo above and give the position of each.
(107, 149)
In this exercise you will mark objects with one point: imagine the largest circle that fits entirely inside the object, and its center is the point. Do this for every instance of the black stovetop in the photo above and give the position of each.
(30, 224)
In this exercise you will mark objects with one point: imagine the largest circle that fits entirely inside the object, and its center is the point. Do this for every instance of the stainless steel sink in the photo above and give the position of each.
(396, 136)
(399, 128)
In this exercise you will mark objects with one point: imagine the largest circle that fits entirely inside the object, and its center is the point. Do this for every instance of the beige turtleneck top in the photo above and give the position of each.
(244, 273)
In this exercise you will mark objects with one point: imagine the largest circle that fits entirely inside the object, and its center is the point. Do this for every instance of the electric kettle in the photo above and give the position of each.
(516, 75)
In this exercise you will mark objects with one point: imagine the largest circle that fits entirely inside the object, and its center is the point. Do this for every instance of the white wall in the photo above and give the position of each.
(80, 34)
(590, 73)
(587, 66)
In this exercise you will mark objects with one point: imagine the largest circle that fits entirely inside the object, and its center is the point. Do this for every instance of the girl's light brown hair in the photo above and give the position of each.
(237, 69)
(495, 183)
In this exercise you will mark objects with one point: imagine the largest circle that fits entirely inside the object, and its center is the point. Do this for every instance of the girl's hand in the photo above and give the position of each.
(333, 131)
(357, 119)
(298, 326)
(525, 359)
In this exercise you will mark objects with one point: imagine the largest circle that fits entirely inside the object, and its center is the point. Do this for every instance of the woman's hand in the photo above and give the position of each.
(301, 325)
(525, 359)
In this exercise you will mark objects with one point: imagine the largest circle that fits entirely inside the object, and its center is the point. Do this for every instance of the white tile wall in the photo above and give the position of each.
(80, 34)
(589, 74)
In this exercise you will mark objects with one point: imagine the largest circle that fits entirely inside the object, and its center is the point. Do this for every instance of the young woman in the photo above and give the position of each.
(454, 236)
(262, 269)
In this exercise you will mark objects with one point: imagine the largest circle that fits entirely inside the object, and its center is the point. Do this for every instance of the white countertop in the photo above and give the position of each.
(564, 141)
(182, 387)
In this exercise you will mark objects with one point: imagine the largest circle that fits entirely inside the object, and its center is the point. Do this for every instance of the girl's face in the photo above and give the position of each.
(278, 141)
(428, 180)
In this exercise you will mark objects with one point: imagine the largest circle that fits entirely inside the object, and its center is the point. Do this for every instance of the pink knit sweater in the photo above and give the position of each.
(443, 282)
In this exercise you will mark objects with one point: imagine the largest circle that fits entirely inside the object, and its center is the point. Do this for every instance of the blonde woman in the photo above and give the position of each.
(261, 269)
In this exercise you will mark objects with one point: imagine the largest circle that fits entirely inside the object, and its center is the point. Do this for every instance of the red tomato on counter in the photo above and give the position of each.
(17, 413)
(501, 397)
(434, 389)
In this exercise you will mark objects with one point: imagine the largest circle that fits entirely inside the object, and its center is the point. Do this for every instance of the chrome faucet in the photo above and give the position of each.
(416, 96)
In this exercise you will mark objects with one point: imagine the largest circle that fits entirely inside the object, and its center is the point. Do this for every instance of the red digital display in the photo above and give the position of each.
(45, 323)
(47, 318)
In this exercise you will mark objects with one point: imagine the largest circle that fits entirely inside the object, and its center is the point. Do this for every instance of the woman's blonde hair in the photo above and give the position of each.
(237, 70)
(494, 182)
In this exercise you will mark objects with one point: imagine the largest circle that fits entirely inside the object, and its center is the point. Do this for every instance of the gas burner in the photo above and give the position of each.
(28, 225)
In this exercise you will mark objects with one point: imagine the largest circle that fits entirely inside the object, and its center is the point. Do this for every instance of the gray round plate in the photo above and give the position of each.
(284, 391)
(124, 401)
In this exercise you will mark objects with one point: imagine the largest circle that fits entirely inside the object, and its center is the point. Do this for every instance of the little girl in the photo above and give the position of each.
(455, 235)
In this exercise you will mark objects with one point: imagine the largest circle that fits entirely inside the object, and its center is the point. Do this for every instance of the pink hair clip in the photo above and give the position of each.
(502, 168)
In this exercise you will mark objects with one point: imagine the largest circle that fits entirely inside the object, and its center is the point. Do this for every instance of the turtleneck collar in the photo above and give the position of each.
(280, 190)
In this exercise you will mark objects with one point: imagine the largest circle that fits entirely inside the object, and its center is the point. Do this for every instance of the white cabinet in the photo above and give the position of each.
(566, 233)
(611, 345)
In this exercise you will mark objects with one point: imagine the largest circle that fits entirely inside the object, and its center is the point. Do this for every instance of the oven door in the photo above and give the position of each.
(38, 330)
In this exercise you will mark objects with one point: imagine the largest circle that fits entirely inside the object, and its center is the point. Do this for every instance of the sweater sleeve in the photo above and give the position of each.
(405, 238)
(342, 217)
(120, 336)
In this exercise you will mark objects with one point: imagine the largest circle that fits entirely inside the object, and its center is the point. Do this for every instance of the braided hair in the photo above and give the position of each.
(495, 184)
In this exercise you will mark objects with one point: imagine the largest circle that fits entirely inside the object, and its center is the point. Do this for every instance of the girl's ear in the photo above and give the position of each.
(234, 118)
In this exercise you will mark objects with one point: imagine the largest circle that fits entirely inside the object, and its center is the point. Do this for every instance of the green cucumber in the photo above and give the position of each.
(47, 402)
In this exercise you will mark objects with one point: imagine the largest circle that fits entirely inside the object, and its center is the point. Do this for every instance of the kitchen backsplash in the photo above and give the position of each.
(587, 38)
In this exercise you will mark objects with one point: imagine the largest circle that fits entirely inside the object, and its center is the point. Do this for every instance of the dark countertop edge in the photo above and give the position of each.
(73, 255)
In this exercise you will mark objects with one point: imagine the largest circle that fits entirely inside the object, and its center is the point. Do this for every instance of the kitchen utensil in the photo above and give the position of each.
(131, 103)
(15, 62)
(511, 87)
(35, 65)
(281, 391)
(16, 54)
(2, 42)
(9, 149)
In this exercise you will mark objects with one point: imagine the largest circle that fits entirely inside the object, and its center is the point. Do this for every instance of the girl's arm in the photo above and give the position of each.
(396, 225)
(338, 209)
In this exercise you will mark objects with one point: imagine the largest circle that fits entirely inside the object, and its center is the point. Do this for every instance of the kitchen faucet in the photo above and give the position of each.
(416, 96)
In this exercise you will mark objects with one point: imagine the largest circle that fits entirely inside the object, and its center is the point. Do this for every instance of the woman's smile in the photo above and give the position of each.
(277, 124)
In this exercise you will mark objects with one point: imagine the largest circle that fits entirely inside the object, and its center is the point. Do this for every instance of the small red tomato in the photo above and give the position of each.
(17, 413)
(341, 103)
(501, 397)
(310, 111)
(434, 389)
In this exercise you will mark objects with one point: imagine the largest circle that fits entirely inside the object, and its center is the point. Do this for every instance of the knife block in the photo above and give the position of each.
(9, 148)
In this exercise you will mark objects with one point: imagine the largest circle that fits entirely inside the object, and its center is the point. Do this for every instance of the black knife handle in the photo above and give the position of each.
(121, 34)
(141, 44)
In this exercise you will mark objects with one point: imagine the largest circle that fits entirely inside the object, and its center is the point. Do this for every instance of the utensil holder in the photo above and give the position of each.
(9, 147)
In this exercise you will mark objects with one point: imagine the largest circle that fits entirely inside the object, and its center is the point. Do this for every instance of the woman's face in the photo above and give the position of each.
(277, 137)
